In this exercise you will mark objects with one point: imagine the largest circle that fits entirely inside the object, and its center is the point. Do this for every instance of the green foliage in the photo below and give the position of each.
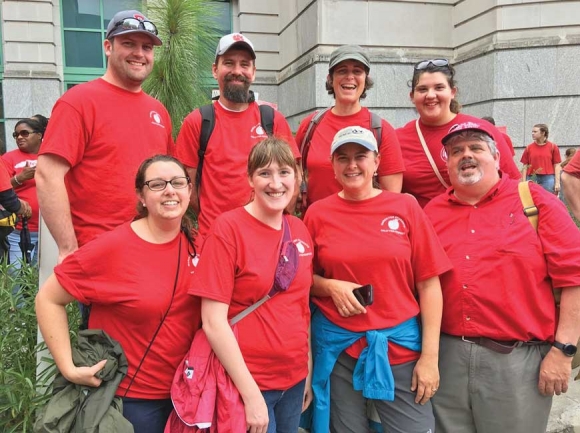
(187, 29)
(22, 392)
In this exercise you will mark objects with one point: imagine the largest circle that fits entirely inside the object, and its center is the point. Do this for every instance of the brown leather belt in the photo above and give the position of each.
(504, 347)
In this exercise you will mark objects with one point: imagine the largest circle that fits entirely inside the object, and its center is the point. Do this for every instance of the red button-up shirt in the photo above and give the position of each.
(501, 284)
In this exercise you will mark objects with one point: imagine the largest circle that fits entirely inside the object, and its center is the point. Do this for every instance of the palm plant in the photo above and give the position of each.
(188, 31)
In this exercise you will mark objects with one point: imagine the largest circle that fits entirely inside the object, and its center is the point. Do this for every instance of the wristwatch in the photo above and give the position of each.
(567, 348)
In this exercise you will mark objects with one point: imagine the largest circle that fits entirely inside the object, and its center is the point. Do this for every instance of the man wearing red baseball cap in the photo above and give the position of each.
(504, 350)
(99, 134)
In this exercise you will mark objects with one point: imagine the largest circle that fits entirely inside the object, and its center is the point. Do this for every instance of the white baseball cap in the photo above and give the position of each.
(234, 39)
(354, 134)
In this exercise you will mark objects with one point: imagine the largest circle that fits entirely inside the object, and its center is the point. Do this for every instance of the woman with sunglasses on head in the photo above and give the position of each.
(348, 81)
(21, 166)
(269, 360)
(367, 236)
(433, 92)
(542, 159)
(135, 278)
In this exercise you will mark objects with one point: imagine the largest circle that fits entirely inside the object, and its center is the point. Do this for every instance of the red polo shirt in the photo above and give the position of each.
(501, 283)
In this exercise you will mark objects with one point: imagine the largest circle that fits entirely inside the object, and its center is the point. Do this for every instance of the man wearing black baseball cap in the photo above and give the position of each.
(99, 134)
(500, 327)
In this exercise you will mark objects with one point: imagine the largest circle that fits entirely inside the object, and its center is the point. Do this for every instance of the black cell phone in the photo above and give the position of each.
(364, 295)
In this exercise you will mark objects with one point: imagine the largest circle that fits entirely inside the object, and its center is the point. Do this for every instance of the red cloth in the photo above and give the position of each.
(224, 184)
(350, 239)
(105, 133)
(573, 167)
(237, 267)
(129, 283)
(321, 181)
(419, 178)
(500, 286)
(203, 395)
(4, 179)
(541, 159)
(15, 162)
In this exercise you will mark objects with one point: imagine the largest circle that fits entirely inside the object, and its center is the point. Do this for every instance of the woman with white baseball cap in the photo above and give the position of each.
(370, 345)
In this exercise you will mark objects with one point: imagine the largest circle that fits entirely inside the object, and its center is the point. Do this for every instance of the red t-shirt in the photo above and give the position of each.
(4, 179)
(129, 283)
(386, 241)
(105, 133)
(224, 182)
(501, 283)
(541, 159)
(237, 268)
(15, 161)
(573, 167)
(321, 181)
(419, 178)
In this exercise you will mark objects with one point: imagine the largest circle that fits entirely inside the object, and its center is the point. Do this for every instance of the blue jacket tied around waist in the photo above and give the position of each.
(372, 374)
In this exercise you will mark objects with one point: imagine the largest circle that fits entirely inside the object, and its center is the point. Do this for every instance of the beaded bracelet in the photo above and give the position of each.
(16, 180)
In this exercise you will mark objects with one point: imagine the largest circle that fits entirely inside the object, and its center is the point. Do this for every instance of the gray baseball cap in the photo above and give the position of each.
(349, 52)
(132, 21)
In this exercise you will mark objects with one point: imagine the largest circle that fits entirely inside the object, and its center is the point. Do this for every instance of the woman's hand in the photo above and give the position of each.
(85, 375)
(344, 300)
(27, 173)
(256, 414)
(425, 378)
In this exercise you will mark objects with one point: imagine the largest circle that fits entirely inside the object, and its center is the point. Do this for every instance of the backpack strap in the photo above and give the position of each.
(207, 125)
(377, 126)
(267, 119)
(305, 145)
(530, 209)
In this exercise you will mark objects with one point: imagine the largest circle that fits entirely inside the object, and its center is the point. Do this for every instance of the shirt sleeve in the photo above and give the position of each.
(214, 276)
(187, 143)
(282, 130)
(390, 151)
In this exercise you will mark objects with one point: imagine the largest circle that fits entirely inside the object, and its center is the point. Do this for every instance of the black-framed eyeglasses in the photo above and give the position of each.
(439, 63)
(134, 24)
(24, 133)
(160, 184)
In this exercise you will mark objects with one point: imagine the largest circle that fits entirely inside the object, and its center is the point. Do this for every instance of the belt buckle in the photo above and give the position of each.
(466, 340)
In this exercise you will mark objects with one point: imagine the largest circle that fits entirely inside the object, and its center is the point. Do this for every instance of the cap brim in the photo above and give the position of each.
(445, 139)
(154, 37)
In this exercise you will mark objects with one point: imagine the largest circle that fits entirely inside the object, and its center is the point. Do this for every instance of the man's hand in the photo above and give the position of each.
(25, 209)
(555, 372)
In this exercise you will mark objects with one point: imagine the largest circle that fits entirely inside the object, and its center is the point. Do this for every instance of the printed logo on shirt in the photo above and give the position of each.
(192, 262)
(22, 164)
(156, 118)
(258, 132)
(394, 224)
(303, 248)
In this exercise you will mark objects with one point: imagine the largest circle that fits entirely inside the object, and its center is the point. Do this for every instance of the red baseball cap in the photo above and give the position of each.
(484, 127)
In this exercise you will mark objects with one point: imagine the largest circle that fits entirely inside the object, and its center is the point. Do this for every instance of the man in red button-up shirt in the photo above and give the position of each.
(504, 352)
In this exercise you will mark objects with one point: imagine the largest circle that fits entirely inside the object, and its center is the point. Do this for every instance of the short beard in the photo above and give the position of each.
(237, 93)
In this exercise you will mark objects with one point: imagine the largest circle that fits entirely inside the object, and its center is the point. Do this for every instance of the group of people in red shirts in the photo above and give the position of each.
(457, 328)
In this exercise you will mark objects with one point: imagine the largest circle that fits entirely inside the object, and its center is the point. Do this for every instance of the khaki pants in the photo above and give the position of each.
(482, 391)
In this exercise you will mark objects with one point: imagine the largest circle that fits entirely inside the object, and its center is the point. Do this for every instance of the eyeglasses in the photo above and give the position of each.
(134, 24)
(435, 62)
(160, 185)
(24, 133)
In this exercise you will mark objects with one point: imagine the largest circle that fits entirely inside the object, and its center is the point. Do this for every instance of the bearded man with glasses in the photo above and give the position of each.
(98, 135)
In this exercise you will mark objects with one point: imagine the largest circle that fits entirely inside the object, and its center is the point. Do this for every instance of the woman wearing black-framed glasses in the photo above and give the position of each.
(433, 92)
(135, 278)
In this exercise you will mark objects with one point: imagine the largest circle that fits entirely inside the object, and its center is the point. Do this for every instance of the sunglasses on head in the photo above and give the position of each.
(24, 133)
(134, 24)
(435, 62)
